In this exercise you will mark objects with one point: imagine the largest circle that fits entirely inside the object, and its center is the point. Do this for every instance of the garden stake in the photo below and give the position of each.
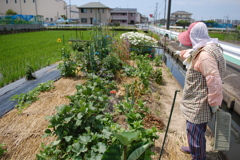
(168, 122)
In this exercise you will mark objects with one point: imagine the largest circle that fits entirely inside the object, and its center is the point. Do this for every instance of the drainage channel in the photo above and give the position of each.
(179, 74)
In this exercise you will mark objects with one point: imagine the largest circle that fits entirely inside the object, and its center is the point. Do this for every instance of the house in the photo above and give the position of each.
(51, 10)
(180, 15)
(144, 19)
(94, 13)
(125, 16)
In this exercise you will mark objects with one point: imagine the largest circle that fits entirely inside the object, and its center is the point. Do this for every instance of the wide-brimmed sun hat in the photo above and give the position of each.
(184, 37)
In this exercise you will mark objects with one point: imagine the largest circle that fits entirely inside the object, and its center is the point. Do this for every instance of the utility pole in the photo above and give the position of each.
(20, 6)
(70, 9)
(36, 7)
(168, 15)
(155, 14)
(164, 20)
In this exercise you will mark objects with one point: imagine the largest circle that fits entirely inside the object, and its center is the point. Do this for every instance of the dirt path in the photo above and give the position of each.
(176, 136)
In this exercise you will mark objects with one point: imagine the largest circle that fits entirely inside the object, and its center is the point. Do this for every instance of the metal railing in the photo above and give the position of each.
(231, 53)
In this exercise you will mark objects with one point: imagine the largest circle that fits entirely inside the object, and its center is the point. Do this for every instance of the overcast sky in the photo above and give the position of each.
(200, 9)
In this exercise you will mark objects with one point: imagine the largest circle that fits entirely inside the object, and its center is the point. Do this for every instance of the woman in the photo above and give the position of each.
(202, 94)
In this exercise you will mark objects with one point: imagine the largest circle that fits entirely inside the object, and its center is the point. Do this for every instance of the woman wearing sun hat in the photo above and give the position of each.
(202, 94)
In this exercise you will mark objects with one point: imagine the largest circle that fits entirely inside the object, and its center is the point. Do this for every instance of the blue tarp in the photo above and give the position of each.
(217, 25)
(62, 20)
(25, 17)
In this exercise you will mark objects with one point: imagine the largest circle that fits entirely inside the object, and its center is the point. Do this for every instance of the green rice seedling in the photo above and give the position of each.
(38, 49)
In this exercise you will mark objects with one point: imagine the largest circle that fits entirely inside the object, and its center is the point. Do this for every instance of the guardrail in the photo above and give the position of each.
(231, 53)
(74, 25)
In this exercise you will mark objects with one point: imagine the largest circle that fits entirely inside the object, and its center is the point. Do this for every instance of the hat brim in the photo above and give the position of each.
(184, 38)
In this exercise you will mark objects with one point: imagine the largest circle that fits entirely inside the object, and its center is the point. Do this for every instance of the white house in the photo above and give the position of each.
(51, 10)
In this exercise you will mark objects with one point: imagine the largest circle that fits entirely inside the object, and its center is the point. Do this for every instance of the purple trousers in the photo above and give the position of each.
(196, 140)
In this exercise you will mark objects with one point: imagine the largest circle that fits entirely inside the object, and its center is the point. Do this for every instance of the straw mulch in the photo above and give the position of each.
(22, 132)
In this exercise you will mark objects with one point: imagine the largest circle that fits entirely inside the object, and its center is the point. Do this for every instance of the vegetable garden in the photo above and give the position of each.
(85, 129)
(113, 113)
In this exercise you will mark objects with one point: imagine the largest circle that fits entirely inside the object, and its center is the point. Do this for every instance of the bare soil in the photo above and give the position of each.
(23, 132)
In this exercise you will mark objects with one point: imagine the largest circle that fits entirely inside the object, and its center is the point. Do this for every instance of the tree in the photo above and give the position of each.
(210, 21)
(10, 12)
(183, 23)
(63, 16)
(238, 32)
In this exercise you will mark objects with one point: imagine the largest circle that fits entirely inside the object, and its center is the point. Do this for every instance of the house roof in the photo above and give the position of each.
(181, 13)
(93, 5)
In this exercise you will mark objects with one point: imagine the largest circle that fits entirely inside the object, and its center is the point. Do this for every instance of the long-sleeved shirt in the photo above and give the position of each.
(208, 67)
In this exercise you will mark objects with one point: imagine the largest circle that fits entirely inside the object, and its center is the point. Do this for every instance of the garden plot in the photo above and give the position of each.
(108, 105)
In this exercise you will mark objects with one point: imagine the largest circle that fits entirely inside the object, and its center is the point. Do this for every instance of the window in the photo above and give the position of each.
(132, 14)
(90, 10)
(83, 20)
(83, 10)
(7, 1)
(102, 10)
(15, 1)
(51, 19)
(24, 1)
(33, 1)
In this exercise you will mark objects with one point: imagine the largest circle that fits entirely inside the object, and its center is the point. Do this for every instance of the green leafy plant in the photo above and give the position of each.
(157, 76)
(141, 43)
(112, 62)
(25, 99)
(29, 72)
(44, 86)
(68, 67)
(128, 148)
(2, 150)
(83, 130)
(129, 71)
(80, 46)
(158, 60)
(145, 70)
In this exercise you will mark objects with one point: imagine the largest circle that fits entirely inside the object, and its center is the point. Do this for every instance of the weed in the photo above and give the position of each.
(2, 150)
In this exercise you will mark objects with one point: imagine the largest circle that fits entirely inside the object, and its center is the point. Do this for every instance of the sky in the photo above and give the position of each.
(200, 9)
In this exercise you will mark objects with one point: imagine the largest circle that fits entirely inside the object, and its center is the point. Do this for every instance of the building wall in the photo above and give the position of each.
(74, 12)
(51, 10)
(95, 16)
(125, 16)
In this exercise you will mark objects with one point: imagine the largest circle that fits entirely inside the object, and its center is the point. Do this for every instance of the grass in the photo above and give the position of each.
(38, 49)
(223, 36)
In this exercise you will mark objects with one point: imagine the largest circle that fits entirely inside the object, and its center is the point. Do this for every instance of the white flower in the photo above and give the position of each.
(136, 38)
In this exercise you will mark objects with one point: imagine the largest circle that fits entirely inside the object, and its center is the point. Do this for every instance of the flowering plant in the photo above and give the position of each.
(140, 43)
(136, 38)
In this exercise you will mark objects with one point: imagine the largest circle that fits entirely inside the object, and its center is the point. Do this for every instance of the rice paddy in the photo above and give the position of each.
(38, 49)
